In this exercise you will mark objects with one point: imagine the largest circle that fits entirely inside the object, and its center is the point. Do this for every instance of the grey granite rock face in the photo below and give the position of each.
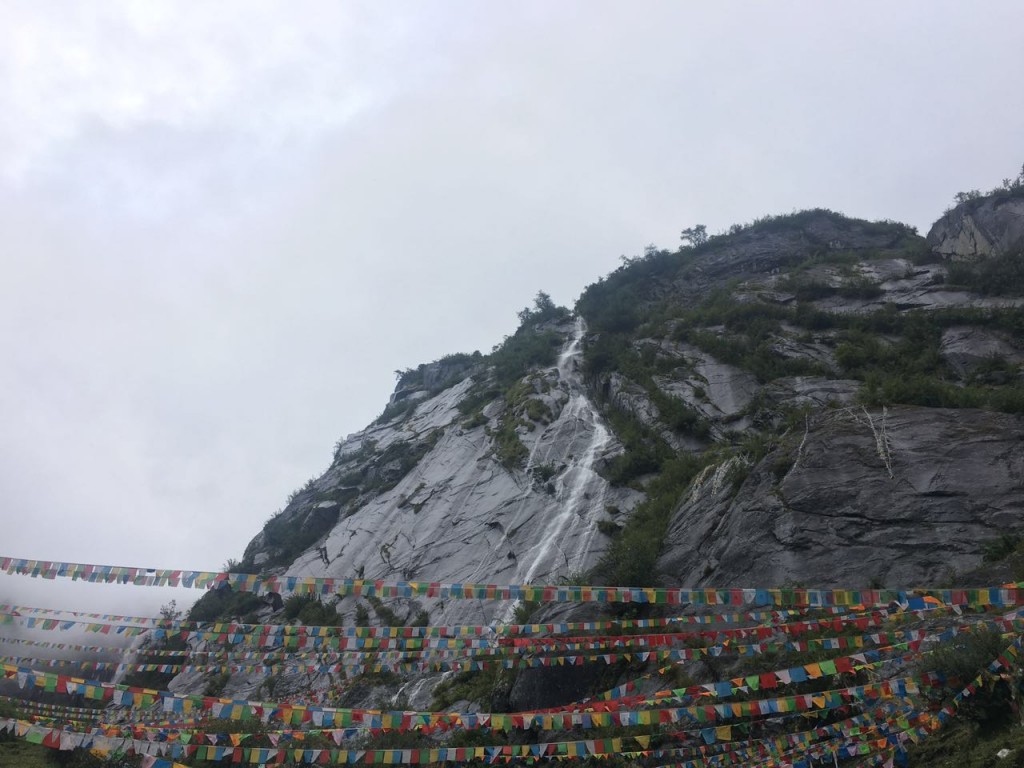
(632, 399)
(846, 496)
(979, 228)
(813, 391)
(717, 390)
(897, 498)
(761, 251)
(424, 497)
(965, 349)
(457, 514)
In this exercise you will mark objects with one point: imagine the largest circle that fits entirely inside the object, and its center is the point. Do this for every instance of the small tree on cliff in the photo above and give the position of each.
(543, 309)
(695, 236)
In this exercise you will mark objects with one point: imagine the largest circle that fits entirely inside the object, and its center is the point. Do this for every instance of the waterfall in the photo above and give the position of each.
(568, 524)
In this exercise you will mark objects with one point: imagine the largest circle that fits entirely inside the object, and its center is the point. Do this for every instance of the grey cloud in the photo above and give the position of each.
(196, 305)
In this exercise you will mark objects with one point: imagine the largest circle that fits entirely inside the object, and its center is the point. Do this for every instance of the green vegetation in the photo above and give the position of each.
(633, 294)
(311, 611)
(286, 534)
(488, 688)
(455, 365)
(14, 752)
(385, 615)
(531, 346)
(968, 745)
(524, 611)
(999, 549)
(522, 410)
(1000, 275)
(388, 467)
(813, 290)
(172, 642)
(365, 451)
(631, 557)
(1009, 188)
(398, 408)
(216, 684)
(226, 604)
(442, 373)
(508, 448)
(896, 354)
(959, 661)
(662, 295)
(17, 753)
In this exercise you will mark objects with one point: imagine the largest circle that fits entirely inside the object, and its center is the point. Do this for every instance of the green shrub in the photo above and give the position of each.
(224, 605)
(860, 288)
(1001, 548)
(488, 688)
(289, 533)
(215, 685)
(680, 415)
(1001, 275)
(476, 420)
(394, 410)
(543, 472)
(524, 611)
(385, 615)
(537, 410)
(311, 611)
(631, 558)
(508, 448)
(963, 658)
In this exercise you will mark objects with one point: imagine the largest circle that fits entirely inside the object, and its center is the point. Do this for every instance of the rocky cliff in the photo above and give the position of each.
(855, 496)
(807, 399)
(981, 228)
(507, 490)
(855, 404)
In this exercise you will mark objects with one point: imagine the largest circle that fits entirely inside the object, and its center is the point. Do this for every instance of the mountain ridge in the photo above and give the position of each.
(806, 264)
(773, 405)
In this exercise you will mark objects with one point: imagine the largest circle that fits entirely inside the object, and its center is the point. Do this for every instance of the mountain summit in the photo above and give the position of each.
(808, 399)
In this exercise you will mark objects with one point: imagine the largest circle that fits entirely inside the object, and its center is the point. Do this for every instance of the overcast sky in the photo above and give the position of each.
(226, 224)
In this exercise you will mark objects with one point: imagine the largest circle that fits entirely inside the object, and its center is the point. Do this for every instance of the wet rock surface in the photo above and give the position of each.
(804, 486)
(457, 514)
(900, 498)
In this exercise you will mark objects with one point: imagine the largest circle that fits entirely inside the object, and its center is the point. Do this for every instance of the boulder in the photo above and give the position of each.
(980, 228)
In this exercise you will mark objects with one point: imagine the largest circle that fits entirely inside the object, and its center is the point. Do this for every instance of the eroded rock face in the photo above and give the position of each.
(847, 497)
(762, 251)
(965, 349)
(444, 508)
(717, 390)
(813, 391)
(980, 228)
(863, 497)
